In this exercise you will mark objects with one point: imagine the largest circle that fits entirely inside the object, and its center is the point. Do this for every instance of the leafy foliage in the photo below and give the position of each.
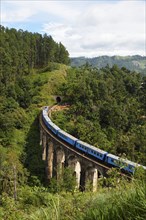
(107, 109)
(27, 68)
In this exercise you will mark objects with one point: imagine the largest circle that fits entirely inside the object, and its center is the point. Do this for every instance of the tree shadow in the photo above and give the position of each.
(33, 155)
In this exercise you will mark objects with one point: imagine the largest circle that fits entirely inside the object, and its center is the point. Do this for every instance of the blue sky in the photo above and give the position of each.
(86, 28)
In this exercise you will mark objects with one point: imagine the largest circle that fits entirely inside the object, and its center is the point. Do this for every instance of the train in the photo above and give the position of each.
(101, 155)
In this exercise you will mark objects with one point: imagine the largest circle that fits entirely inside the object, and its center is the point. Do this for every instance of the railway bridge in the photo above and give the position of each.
(57, 155)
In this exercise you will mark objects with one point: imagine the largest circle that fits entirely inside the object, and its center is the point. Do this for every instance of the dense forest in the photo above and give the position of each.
(134, 63)
(106, 108)
(27, 60)
(21, 53)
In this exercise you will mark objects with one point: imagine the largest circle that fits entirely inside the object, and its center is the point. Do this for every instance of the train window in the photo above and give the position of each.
(62, 135)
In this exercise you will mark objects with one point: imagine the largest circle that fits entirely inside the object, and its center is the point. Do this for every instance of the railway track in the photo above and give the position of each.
(74, 150)
(69, 147)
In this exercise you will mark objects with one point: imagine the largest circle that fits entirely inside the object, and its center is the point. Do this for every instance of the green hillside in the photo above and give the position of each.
(107, 109)
(134, 63)
(32, 69)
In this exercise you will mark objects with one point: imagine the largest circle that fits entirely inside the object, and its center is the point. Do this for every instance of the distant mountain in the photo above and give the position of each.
(134, 63)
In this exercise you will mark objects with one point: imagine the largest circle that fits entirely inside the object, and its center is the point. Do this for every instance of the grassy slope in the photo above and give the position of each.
(37, 203)
(125, 202)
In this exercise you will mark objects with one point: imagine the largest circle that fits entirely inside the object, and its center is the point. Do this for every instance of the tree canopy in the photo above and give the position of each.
(107, 109)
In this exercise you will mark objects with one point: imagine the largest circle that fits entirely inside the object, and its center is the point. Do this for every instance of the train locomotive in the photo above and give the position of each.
(101, 155)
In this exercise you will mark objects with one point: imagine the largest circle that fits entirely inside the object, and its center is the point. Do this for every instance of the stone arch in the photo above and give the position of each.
(91, 176)
(44, 145)
(60, 155)
(60, 160)
(49, 159)
(74, 163)
(78, 173)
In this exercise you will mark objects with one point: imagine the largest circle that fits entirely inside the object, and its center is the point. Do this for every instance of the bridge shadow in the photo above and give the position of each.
(33, 155)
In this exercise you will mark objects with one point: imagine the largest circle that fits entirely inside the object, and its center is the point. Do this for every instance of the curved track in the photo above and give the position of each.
(74, 150)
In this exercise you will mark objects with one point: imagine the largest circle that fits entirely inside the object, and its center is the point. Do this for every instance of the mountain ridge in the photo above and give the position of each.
(134, 63)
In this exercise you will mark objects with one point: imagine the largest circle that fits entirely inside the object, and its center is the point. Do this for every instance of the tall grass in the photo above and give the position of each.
(52, 212)
(124, 204)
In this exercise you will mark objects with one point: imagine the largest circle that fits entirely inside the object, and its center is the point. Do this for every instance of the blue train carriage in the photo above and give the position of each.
(87, 148)
(128, 165)
(131, 166)
(67, 137)
(46, 120)
(98, 153)
(112, 160)
(45, 110)
(124, 164)
(83, 146)
(54, 128)
(119, 162)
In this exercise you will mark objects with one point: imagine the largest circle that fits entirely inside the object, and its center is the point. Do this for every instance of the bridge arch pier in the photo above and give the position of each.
(91, 178)
(74, 163)
(44, 145)
(49, 160)
(60, 161)
(57, 154)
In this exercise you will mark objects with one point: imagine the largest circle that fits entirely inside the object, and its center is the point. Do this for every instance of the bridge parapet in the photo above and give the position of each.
(59, 154)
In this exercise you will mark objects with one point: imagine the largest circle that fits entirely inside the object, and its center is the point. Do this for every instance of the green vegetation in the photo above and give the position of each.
(134, 63)
(107, 109)
(124, 202)
(27, 83)
(32, 69)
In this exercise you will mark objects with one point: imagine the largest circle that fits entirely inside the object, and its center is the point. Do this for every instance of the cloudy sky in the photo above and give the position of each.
(86, 28)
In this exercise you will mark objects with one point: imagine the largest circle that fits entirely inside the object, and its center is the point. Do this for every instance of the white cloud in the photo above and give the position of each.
(86, 28)
(23, 9)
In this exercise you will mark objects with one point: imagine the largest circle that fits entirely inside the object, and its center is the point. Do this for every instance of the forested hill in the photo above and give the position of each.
(30, 72)
(107, 109)
(21, 51)
(134, 63)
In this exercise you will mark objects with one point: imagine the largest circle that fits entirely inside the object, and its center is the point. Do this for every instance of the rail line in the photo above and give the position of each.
(70, 148)
(75, 150)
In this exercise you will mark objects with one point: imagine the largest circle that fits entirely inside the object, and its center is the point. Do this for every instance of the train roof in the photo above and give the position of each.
(113, 156)
(68, 135)
(126, 161)
(84, 143)
(53, 125)
(92, 147)
(132, 163)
